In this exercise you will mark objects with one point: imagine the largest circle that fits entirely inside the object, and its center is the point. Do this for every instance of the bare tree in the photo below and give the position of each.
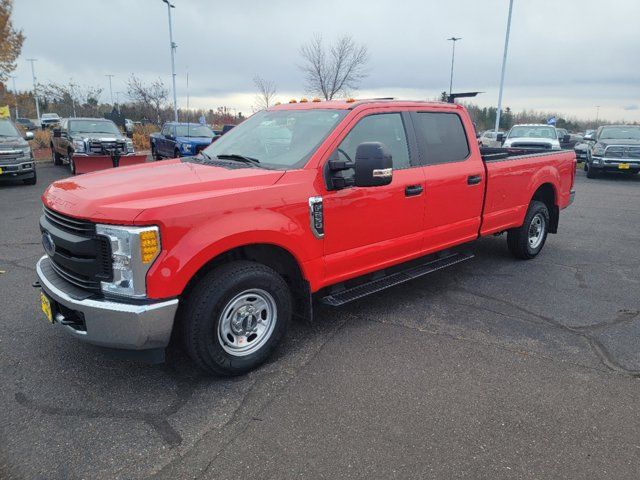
(266, 92)
(70, 99)
(152, 97)
(10, 40)
(336, 70)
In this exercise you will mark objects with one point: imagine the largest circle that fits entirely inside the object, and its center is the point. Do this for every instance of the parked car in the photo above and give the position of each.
(128, 126)
(321, 200)
(180, 140)
(48, 120)
(16, 157)
(27, 124)
(490, 138)
(534, 136)
(613, 148)
(565, 139)
(88, 144)
(580, 149)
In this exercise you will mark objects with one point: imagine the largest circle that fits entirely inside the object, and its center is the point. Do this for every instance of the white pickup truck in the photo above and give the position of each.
(533, 136)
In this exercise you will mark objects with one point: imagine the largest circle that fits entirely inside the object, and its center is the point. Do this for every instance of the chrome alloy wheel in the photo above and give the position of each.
(536, 230)
(247, 321)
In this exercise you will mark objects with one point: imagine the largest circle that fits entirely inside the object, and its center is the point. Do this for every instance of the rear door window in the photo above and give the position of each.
(441, 137)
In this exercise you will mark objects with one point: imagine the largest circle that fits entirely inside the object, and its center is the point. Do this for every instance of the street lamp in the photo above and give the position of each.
(172, 46)
(504, 64)
(597, 114)
(35, 90)
(15, 94)
(453, 56)
(110, 87)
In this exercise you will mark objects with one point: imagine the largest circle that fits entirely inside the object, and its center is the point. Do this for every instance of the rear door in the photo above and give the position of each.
(368, 228)
(164, 141)
(454, 178)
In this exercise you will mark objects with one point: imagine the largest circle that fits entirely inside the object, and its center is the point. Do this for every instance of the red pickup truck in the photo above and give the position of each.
(327, 200)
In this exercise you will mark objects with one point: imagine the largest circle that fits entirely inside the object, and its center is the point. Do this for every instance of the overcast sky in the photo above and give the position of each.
(564, 55)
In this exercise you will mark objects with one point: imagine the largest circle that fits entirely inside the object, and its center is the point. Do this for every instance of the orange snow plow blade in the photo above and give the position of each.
(103, 162)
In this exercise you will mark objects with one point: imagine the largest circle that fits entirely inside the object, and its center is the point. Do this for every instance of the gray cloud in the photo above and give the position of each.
(567, 54)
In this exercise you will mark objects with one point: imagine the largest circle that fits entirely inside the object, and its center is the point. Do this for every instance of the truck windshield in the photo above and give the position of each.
(193, 130)
(533, 132)
(93, 126)
(7, 129)
(279, 139)
(620, 133)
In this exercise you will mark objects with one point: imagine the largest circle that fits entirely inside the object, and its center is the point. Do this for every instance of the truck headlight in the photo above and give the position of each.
(78, 145)
(598, 150)
(129, 146)
(26, 153)
(186, 148)
(133, 250)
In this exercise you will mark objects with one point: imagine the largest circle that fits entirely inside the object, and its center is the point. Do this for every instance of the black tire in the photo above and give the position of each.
(177, 153)
(592, 172)
(72, 165)
(518, 239)
(585, 167)
(216, 292)
(31, 181)
(154, 153)
(56, 158)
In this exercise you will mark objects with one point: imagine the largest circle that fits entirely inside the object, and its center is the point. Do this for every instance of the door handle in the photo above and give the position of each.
(412, 190)
(474, 179)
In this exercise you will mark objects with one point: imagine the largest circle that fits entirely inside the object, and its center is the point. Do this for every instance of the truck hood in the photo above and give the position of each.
(621, 141)
(9, 143)
(195, 140)
(119, 195)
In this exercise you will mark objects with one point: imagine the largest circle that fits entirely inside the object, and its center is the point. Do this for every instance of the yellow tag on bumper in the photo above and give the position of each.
(45, 305)
(623, 166)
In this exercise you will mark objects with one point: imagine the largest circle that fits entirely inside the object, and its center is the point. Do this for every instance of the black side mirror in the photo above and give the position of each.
(500, 137)
(57, 133)
(566, 139)
(373, 166)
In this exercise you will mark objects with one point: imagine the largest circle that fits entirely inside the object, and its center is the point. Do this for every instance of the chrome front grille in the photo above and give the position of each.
(621, 151)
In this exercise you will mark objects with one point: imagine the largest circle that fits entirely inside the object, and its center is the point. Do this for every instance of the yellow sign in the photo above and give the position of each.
(4, 112)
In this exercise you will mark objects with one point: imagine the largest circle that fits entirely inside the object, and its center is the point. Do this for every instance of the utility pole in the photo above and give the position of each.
(110, 87)
(73, 96)
(504, 65)
(35, 89)
(172, 46)
(15, 94)
(453, 56)
(597, 114)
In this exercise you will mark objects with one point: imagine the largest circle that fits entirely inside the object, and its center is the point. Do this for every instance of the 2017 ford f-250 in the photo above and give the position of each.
(327, 200)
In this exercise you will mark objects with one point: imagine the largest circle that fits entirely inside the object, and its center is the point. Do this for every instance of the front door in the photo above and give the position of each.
(368, 228)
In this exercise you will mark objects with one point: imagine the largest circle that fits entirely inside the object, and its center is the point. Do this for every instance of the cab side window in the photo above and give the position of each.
(386, 128)
(441, 137)
(166, 130)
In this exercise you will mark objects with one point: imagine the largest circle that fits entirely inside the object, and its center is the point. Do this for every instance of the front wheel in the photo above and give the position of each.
(31, 181)
(234, 318)
(527, 241)
(72, 165)
(56, 158)
(592, 172)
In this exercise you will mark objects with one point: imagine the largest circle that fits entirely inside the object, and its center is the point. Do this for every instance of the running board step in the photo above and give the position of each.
(379, 284)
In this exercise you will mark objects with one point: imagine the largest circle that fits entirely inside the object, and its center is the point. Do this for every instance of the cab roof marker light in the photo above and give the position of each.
(350, 100)
(303, 100)
(293, 100)
(316, 99)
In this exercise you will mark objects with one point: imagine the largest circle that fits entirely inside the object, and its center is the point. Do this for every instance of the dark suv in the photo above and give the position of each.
(613, 148)
(86, 137)
(16, 158)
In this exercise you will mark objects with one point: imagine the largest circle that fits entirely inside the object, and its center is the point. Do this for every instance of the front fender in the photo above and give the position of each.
(197, 246)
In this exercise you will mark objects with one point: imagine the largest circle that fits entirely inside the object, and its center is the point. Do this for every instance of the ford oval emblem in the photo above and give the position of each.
(48, 244)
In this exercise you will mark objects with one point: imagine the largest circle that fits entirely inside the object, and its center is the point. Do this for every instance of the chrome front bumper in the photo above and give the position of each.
(109, 323)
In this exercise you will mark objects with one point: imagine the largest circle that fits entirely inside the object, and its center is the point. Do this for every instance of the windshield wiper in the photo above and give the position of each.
(240, 158)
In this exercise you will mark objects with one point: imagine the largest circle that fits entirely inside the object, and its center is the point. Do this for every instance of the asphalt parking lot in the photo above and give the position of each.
(494, 368)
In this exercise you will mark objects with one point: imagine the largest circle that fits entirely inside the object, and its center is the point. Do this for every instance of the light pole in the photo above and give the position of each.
(172, 46)
(73, 96)
(597, 114)
(15, 94)
(35, 90)
(453, 56)
(110, 87)
(504, 65)
(118, 99)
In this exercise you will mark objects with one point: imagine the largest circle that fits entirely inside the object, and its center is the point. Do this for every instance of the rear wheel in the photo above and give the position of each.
(527, 241)
(234, 318)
